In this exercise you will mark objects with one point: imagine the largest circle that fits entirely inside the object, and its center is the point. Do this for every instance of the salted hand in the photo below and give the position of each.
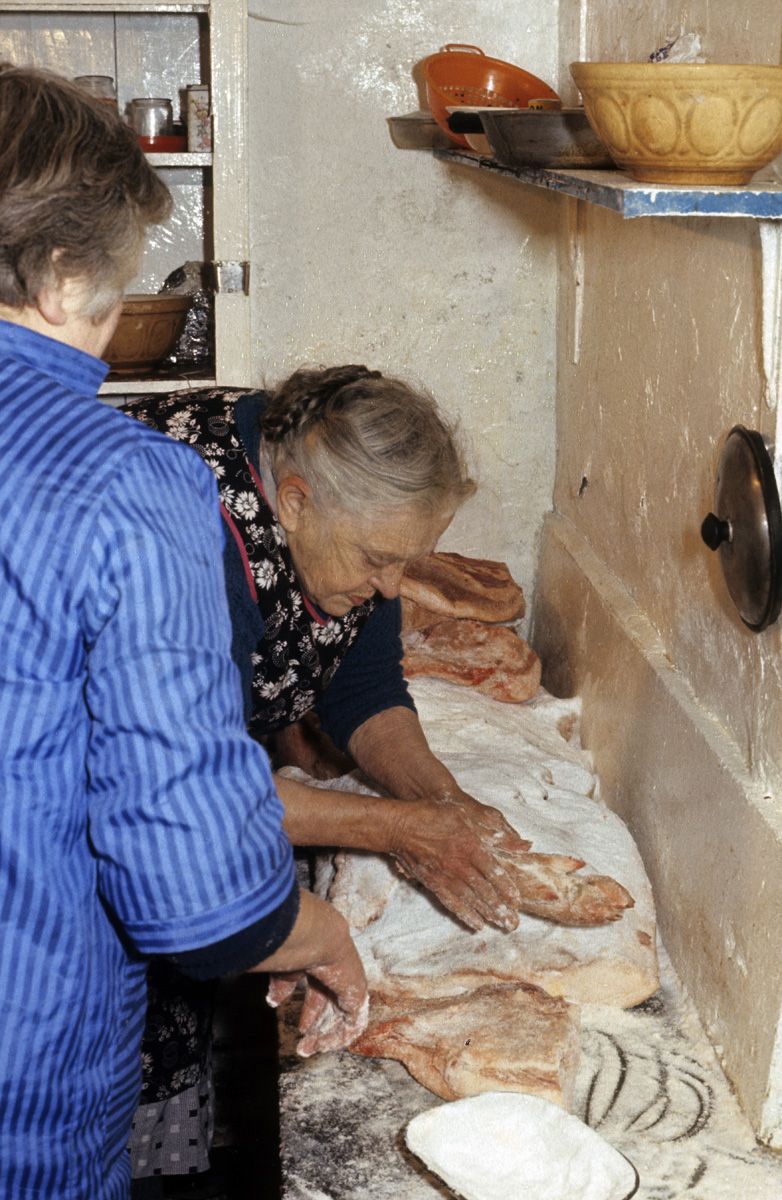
(450, 846)
(336, 1000)
(325, 1026)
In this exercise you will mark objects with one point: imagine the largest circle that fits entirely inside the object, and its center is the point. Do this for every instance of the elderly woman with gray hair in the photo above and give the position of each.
(330, 485)
(123, 733)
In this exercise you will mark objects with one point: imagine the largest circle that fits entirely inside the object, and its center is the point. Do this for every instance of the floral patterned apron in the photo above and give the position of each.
(299, 653)
(301, 647)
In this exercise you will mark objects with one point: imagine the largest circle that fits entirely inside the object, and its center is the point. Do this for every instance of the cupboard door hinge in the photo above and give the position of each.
(232, 277)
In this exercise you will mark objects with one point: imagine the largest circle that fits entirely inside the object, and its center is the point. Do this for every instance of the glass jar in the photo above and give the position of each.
(151, 116)
(100, 86)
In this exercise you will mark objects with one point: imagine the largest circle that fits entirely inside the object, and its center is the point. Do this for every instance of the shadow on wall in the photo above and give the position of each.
(552, 642)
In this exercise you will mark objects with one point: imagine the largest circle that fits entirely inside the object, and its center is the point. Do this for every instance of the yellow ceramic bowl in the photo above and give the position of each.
(146, 332)
(686, 123)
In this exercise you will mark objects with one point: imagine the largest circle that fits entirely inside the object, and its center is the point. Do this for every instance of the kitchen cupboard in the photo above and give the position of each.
(157, 48)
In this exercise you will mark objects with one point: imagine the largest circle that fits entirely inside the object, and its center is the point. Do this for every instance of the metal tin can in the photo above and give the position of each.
(199, 117)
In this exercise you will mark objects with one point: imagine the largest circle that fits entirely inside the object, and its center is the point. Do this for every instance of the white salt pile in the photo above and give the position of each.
(503, 1145)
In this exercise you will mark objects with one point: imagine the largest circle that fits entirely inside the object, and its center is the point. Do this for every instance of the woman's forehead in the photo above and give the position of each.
(393, 534)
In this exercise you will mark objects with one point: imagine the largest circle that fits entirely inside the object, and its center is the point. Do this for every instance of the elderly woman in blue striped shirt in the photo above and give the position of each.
(137, 817)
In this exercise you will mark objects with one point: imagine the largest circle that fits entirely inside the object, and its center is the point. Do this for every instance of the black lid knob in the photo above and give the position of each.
(714, 531)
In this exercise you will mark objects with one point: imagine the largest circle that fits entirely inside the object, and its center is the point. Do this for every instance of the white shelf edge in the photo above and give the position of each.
(619, 192)
(135, 387)
(184, 158)
(97, 6)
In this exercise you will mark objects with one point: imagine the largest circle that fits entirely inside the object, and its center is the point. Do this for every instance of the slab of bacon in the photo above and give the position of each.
(491, 658)
(504, 1037)
(454, 586)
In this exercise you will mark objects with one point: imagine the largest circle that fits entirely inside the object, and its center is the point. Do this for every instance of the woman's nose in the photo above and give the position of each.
(388, 580)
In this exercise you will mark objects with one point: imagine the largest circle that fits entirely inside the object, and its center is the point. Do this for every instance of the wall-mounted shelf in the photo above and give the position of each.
(111, 6)
(183, 158)
(616, 190)
(139, 384)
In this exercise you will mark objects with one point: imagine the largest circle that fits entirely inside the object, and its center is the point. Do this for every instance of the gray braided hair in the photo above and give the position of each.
(363, 440)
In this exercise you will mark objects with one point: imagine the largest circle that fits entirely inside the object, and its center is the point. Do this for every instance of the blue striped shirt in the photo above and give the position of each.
(136, 816)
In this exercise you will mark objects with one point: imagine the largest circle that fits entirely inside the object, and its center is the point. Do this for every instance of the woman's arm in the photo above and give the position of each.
(391, 748)
(436, 832)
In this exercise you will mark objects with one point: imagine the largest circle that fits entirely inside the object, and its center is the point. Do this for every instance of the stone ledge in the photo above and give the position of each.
(710, 839)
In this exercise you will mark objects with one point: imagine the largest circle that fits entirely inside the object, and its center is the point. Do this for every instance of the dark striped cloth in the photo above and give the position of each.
(136, 816)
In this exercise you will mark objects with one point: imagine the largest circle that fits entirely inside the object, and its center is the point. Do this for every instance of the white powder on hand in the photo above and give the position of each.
(503, 1145)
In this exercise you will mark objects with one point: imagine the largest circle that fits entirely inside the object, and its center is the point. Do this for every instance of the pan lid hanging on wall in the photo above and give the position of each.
(746, 527)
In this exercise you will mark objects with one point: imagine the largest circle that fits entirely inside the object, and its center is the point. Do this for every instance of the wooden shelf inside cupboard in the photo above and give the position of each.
(616, 190)
(106, 6)
(140, 386)
(183, 158)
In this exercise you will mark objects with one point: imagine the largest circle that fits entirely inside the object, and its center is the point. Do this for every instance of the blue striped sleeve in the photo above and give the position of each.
(183, 816)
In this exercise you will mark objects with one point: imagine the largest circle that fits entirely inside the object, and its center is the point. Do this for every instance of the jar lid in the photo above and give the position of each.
(746, 527)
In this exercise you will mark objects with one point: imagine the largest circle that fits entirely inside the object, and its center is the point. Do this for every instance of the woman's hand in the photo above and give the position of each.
(450, 845)
(500, 832)
(321, 952)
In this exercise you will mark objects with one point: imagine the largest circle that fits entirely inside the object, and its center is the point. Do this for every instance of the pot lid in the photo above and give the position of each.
(746, 527)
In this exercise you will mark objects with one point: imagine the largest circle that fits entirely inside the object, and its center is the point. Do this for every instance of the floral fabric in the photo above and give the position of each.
(301, 648)
(294, 662)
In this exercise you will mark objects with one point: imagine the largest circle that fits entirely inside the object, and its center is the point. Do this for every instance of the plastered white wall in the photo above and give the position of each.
(662, 348)
(670, 358)
(365, 253)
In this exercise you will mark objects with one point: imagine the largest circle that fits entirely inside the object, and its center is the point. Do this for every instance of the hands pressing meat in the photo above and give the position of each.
(320, 952)
(323, 1024)
(473, 861)
(449, 845)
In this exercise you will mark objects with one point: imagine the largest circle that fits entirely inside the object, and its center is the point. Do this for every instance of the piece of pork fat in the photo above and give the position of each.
(455, 586)
(491, 658)
(551, 888)
(510, 1037)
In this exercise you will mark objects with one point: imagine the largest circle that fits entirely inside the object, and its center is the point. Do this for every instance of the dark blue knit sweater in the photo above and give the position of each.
(369, 680)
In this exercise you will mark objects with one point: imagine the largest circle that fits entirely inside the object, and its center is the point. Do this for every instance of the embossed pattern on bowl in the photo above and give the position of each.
(685, 123)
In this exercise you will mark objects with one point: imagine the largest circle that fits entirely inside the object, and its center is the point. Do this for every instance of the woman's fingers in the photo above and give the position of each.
(281, 987)
(316, 1003)
(333, 1029)
(466, 892)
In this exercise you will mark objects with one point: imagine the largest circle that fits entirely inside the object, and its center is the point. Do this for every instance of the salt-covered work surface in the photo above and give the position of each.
(648, 1080)
(649, 1083)
(517, 758)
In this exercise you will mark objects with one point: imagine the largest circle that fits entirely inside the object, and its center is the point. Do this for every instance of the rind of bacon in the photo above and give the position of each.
(491, 658)
(454, 586)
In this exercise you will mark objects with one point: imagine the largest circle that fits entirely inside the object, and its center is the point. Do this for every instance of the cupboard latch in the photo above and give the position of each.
(232, 277)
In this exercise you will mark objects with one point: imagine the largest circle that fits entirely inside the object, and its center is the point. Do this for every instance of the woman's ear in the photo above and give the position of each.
(293, 497)
(51, 304)
(55, 298)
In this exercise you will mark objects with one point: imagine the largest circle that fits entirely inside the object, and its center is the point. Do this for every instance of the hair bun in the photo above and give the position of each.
(306, 398)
